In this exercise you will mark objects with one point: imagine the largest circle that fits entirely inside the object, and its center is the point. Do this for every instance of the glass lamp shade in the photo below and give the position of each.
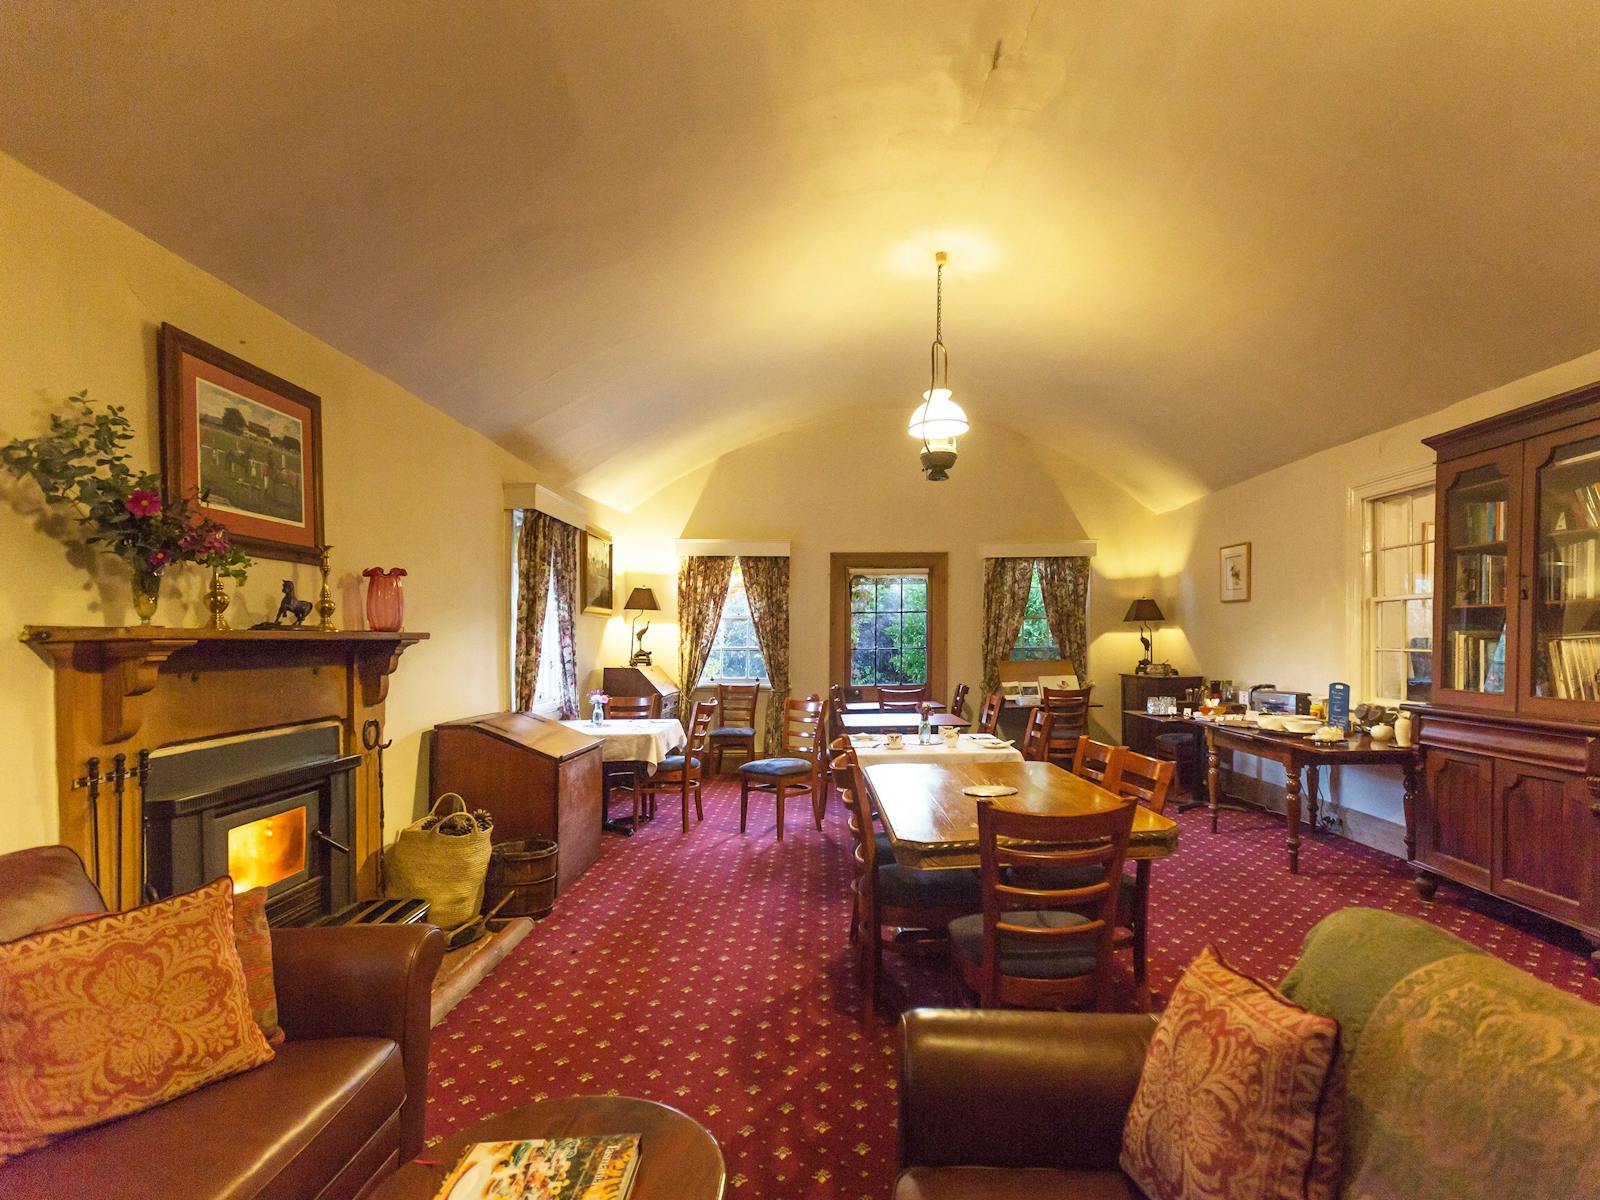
(937, 417)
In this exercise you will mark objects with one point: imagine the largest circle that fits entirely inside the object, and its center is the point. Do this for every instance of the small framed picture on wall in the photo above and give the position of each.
(598, 591)
(1235, 572)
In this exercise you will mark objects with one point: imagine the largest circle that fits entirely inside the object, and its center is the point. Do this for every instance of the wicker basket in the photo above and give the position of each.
(442, 859)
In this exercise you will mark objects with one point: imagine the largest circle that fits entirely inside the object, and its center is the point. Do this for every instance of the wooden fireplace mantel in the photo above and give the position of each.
(136, 690)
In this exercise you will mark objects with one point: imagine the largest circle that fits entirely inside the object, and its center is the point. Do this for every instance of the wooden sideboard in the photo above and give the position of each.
(539, 778)
(1510, 802)
(643, 681)
(1139, 736)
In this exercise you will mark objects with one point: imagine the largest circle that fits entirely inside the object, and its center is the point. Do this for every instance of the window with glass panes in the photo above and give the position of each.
(888, 627)
(1398, 573)
(735, 653)
(1034, 642)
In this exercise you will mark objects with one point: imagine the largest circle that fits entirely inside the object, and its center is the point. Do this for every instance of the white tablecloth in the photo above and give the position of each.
(970, 748)
(647, 740)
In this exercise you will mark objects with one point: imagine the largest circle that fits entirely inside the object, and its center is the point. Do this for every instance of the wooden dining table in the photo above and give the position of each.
(933, 824)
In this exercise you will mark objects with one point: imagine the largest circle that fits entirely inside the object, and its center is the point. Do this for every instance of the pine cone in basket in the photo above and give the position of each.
(484, 818)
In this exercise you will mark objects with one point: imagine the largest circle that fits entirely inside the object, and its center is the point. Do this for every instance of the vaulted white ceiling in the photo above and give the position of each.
(1189, 241)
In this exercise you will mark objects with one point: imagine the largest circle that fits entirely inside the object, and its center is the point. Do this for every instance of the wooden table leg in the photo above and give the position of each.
(1291, 811)
(1141, 934)
(1213, 780)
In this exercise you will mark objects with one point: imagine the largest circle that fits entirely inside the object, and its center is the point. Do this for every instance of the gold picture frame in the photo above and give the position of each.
(597, 574)
(1233, 575)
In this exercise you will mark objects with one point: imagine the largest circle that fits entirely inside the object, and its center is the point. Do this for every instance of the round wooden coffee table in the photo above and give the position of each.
(678, 1160)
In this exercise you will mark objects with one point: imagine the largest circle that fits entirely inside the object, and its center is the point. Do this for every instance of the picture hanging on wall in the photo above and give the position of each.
(597, 576)
(1236, 572)
(245, 440)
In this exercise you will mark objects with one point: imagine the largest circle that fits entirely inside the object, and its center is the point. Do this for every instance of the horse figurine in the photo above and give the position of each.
(292, 607)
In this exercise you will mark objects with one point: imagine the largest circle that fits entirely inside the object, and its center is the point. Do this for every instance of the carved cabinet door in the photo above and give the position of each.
(1544, 839)
(1454, 829)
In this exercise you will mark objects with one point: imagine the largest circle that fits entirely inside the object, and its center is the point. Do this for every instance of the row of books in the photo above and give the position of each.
(1481, 579)
(1574, 667)
(1586, 506)
(1570, 572)
(1478, 660)
(1483, 521)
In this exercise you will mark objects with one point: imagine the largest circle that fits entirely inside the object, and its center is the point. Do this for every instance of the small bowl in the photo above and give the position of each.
(1381, 733)
(1271, 722)
(1301, 725)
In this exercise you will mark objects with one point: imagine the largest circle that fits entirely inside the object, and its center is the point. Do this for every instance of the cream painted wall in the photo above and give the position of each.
(825, 493)
(1301, 628)
(406, 485)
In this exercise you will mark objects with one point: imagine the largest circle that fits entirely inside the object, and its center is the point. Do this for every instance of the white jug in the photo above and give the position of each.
(1403, 735)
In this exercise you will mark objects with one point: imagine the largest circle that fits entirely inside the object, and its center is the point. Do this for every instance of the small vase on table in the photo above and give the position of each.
(146, 593)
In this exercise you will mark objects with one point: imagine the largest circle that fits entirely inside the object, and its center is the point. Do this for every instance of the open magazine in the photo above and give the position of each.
(574, 1168)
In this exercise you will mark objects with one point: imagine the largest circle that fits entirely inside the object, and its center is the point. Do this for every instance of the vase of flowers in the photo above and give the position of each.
(597, 707)
(82, 466)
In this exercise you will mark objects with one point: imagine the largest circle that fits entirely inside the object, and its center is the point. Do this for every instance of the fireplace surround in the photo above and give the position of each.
(274, 809)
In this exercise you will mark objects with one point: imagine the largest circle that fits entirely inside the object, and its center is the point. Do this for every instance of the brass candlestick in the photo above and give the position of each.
(325, 598)
(217, 601)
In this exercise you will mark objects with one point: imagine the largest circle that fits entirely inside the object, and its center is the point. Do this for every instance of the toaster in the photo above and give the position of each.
(1267, 698)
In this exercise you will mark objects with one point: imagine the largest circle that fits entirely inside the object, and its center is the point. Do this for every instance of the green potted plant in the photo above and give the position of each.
(82, 466)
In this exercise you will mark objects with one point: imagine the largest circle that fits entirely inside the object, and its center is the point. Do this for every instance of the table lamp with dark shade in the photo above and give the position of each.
(1148, 613)
(640, 600)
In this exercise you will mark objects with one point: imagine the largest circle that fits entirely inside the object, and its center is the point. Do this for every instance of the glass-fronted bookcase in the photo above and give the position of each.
(1517, 612)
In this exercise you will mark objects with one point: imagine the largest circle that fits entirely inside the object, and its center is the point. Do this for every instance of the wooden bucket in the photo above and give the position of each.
(526, 871)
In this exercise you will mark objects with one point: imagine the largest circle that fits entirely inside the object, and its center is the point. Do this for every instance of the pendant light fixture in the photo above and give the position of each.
(938, 420)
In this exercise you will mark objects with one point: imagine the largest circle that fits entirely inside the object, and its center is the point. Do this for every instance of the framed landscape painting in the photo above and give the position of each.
(247, 441)
(597, 576)
(1236, 572)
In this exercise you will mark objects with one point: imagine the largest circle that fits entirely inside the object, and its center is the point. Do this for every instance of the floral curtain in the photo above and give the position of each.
(1064, 583)
(565, 587)
(1005, 598)
(546, 545)
(702, 591)
(766, 583)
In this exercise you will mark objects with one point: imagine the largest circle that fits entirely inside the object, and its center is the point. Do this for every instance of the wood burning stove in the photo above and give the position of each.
(273, 810)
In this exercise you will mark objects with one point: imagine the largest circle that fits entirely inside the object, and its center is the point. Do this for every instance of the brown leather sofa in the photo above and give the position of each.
(340, 1106)
(999, 1103)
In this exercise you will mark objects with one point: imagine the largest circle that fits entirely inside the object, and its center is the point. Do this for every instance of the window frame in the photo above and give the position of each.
(764, 678)
(844, 565)
(1365, 503)
(1035, 580)
(900, 574)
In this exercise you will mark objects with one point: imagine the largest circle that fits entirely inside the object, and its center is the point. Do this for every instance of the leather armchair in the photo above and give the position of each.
(341, 1105)
(1017, 1104)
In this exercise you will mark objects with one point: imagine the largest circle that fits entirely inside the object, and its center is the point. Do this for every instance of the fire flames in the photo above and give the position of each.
(265, 851)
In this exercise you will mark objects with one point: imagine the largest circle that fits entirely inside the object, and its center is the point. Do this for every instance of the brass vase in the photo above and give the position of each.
(217, 600)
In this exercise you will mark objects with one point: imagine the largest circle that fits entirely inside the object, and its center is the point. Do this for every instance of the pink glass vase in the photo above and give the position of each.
(386, 600)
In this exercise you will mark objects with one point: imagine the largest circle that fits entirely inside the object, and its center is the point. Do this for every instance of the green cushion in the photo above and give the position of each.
(1024, 959)
(1351, 959)
(910, 887)
(733, 731)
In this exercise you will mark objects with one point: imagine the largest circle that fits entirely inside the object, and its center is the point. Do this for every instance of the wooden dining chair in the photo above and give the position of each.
(959, 700)
(989, 715)
(679, 773)
(1070, 707)
(1033, 739)
(1036, 947)
(917, 904)
(798, 769)
(1060, 737)
(736, 728)
(632, 708)
(898, 698)
(1098, 762)
(1146, 780)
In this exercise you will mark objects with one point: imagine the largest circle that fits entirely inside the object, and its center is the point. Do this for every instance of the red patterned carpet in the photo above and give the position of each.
(709, 971)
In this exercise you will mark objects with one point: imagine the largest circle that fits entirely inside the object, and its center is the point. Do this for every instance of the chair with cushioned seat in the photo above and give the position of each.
(1038, 947)
(887, 894)
(798, 769)
(679, 773)
(737, 730)
(619, 775)
(1098, 762)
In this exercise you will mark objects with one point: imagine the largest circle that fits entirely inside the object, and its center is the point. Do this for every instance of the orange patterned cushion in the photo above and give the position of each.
(1242, 1095)
(253, 939)
(118, 1014)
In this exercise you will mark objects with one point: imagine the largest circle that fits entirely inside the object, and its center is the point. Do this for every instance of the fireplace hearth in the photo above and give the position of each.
(273, 810)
